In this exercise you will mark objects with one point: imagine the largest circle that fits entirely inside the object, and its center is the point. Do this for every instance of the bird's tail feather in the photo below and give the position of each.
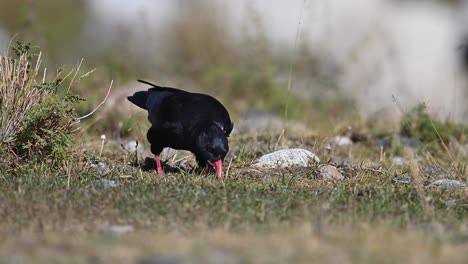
(139, 99)
(150, 84)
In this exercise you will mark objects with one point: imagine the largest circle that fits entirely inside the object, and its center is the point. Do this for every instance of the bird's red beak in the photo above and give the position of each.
(218, 167)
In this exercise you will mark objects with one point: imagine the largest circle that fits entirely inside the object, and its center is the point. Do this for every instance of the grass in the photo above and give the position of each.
(251, 217)
(241, 203)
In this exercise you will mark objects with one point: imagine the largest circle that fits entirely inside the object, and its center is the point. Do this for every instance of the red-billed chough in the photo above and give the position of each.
(189, 121)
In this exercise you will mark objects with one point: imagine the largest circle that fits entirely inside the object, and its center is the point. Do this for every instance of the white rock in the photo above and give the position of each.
(286, 158)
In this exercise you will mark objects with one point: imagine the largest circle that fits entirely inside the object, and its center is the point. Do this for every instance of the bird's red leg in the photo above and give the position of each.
(159, 169)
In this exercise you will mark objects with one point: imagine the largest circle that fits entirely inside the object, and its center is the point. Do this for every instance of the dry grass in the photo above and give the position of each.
(18, 92)
(37, 115)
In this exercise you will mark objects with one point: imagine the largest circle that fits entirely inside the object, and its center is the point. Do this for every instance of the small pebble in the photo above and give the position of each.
(330, 172)
(447, 184)
(115, 229)
(403, 180)
(168, 153)
(132, 146)
(346, 163)
(431, 170)
(451, 203)
(398, 160)
(103, 168)
(105, 184)
(342, 141)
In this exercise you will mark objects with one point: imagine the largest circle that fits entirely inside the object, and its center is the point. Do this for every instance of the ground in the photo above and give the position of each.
(380, 213)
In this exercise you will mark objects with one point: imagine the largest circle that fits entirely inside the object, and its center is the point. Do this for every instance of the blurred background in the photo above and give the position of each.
(320, 62)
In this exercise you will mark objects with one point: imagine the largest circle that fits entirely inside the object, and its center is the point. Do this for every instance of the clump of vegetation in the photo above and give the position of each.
(36, 116)
(419, 124)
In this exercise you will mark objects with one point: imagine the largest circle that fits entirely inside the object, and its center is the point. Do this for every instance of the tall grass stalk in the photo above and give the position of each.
(296, 40)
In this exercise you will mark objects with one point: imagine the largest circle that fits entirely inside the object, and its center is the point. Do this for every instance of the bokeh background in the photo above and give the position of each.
(316, 61)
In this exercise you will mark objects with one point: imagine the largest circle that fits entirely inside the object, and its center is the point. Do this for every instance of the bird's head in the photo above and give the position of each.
(212, 146)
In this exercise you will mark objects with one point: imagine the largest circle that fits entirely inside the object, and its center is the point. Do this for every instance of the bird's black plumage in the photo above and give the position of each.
(182, 120)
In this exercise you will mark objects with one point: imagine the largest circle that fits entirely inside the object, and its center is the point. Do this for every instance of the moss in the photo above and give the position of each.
(418, 123)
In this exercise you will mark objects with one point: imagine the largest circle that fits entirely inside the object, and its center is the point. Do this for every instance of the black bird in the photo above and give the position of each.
(189, 121)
